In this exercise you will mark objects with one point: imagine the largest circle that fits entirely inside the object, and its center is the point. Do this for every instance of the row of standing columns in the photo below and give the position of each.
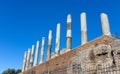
(29, 60)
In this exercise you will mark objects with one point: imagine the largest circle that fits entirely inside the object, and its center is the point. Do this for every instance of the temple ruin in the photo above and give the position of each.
(99, 56)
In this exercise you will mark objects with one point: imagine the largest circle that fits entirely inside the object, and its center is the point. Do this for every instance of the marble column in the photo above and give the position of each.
(49, 45)
(69, 33)
(42, 50)
(105, 24)
(24, 61)
(28, 59)
(57, 48)
(84, 36)
(36, 53)
(32, 56)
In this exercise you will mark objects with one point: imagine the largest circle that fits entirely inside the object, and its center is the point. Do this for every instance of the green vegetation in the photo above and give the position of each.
(11, 71)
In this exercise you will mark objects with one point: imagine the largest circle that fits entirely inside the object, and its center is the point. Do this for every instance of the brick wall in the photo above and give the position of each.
(64, 60)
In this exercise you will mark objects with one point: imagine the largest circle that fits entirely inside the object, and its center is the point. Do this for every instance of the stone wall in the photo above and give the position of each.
(90, 58)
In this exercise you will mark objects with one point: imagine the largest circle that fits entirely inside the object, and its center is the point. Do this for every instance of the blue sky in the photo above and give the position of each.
(23, 22)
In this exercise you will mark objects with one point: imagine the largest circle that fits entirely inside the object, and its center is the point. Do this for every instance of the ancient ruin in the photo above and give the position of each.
(99, 56)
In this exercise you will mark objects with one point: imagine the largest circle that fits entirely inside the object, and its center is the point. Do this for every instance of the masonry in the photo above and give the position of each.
(99, 56)
(66, 59)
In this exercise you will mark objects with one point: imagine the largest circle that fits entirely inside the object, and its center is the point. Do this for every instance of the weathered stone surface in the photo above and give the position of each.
(116, 52)
(96, 57)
